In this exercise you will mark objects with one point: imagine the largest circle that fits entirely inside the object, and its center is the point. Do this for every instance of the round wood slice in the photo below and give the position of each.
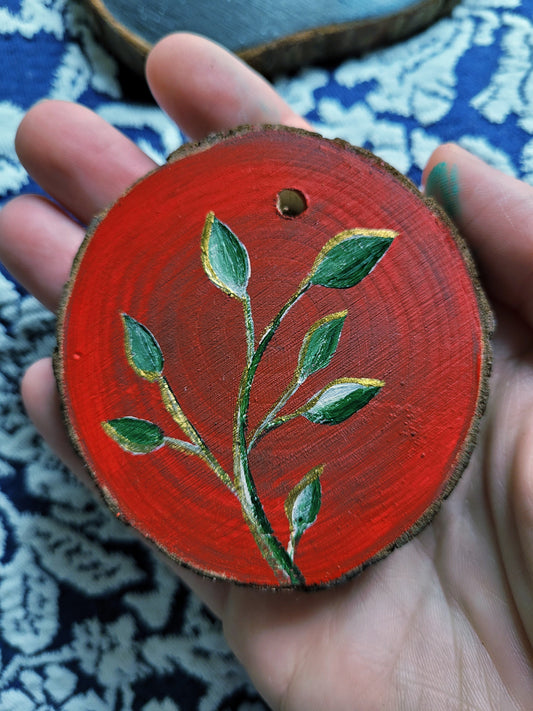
(272, 37)
(273, 355)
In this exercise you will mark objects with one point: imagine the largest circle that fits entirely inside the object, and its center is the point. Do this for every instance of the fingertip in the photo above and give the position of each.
(493, 211)
(205, 88)
(35, 122)
(442, 185)
(448, 177)
(30, 379)
(77, 157)
(42, 403)
(445, 153)
(26, 124)
(178, 44)
(37, 245)
(40, 396)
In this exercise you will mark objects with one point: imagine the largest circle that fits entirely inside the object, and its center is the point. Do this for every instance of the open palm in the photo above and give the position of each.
(445, 622)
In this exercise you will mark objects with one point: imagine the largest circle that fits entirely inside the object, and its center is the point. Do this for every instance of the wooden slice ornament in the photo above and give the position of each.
(272, 37)
(272, 356)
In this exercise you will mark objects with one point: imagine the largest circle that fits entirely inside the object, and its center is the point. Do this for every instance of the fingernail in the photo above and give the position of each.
(443, 185)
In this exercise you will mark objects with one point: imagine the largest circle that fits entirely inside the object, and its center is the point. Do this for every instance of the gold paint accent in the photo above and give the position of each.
(124, 443)
(341, 237)
(311, 476)
(111, 432)
(367, 382)
(327, 319)
(307, 338)
(249, 327)
(295, 382)
(173, 407)
(145, 374)
(204, 250)
(182, 446)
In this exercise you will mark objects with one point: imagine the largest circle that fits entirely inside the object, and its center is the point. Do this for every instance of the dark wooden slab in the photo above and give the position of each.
(273, 355)
(271, 36)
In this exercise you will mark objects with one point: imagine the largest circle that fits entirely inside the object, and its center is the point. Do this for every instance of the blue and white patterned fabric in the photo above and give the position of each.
(89, 619)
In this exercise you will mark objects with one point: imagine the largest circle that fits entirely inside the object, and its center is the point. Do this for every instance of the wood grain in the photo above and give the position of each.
(418, 323)
(271, 37)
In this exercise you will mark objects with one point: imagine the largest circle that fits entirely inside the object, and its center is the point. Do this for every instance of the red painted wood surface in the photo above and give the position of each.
(414, 322)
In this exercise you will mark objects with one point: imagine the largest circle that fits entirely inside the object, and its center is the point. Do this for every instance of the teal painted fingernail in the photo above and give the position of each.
(443, 185)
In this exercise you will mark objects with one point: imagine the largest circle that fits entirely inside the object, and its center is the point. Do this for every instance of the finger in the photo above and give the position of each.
(205, 88)
(37, 245)
(77, 157)
(522, 504)
(493, 212)
(41, 400)
(213, 593)
(86, 164)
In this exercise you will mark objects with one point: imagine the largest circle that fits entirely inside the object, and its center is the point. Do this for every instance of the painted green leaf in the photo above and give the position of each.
(225, 258)
(349, 256)
(303, 504)
(142, 350)
(135, 435)
(340, 400)
(320, 344)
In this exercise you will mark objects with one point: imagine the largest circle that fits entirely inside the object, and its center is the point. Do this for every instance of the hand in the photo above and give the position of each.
(446, 622)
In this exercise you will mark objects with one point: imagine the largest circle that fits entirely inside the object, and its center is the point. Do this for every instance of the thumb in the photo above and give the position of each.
(494, 213)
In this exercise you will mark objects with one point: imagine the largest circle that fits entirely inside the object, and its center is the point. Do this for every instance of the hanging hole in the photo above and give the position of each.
(291, 202)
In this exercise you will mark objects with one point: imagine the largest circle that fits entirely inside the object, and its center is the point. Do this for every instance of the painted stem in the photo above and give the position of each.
(182, 446)
(266, 425)
(254, 514)
(291, 548)
(173, 407)
(250, 329)
(272, 425)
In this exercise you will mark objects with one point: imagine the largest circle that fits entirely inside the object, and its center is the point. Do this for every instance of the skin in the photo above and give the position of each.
(446, 622)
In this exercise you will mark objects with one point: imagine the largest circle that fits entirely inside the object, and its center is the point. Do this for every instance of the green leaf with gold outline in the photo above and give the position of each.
(142, 350)
(302, 506)
(135, 435)
(340, 400)
(320, 344)
(224, 258)
(350, 256)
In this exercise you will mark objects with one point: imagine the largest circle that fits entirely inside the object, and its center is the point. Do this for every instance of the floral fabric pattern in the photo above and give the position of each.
(90, 620)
